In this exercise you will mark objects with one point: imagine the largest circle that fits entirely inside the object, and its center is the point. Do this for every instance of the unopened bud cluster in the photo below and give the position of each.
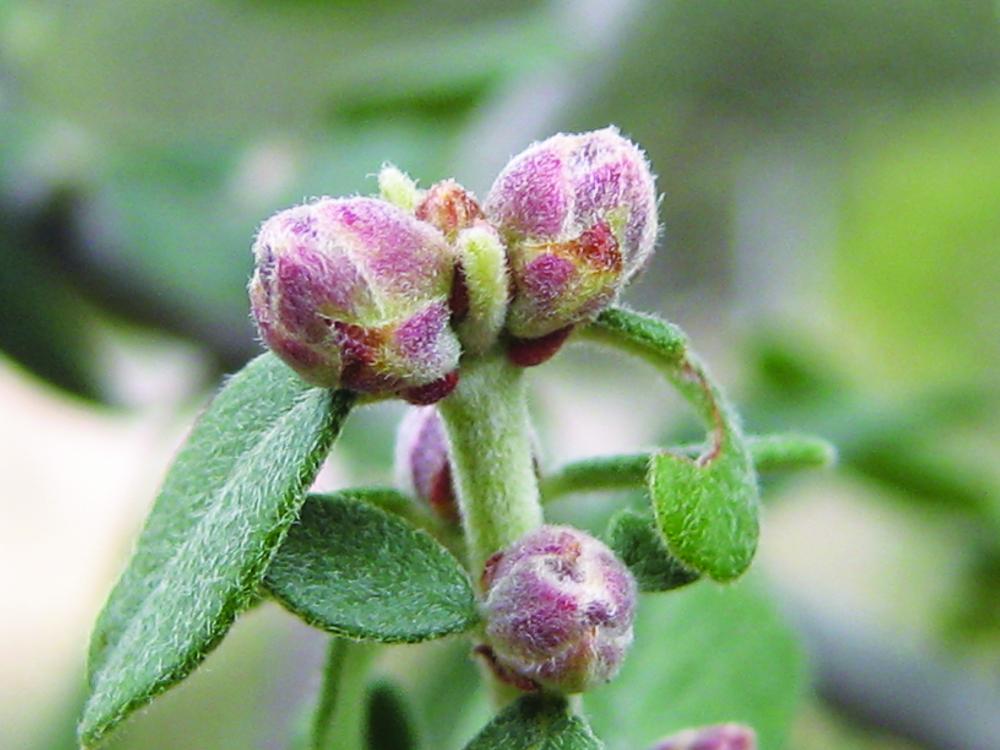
(383, 295)
(558, 607)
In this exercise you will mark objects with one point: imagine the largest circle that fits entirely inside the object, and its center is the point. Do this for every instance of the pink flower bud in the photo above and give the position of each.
(353, 293)
(422, 466)
(578, 215)
(718, 737)
(558, 607)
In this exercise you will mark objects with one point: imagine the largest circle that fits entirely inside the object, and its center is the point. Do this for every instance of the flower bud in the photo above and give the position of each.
(479, 295)
(578, 215)
(449, 207)
(353, 293)
(718, 737)
(558, 607)
(422, 465)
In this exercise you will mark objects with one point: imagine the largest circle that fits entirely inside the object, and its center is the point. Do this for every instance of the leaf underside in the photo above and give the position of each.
(356, 570)
(536, 722)
(224, 507)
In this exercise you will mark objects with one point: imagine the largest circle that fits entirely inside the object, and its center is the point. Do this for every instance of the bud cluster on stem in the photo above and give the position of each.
(432, 297)
(384, 295)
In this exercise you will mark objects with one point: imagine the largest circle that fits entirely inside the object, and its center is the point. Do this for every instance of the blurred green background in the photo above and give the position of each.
(831, 183)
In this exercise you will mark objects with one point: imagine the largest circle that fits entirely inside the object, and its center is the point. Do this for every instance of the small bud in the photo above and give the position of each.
(718, 737)
(353, 293)
(482, 287)
(578, 215)
(422, 465)
(398, 188)
(479, 296)
(558, 607)
(449, 207)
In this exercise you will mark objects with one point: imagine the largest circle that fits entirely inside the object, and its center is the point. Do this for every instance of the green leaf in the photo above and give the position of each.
(707, 510)
(635, 540)
(225, 505)
(536, 722)
(355, 570)
(706, 507)
(703, 655)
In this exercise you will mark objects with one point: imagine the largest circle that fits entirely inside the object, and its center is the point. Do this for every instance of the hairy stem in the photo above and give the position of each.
(338, 720)
(780, 452)
(665, 347)
(489, 435)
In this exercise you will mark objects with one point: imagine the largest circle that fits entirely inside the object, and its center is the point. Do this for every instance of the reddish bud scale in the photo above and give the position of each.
(431, 393)
(558, 608)
(449, 207)
(531, 352)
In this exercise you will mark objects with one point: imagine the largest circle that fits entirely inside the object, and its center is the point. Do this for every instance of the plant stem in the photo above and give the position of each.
(338, 720)
(489, 434)
(779, 452)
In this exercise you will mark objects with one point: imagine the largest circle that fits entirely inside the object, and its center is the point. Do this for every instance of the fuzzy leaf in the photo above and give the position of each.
(636, 541)
(536, 722)
(703, 655)
(707, 510)
(225, 505)
(355, 570)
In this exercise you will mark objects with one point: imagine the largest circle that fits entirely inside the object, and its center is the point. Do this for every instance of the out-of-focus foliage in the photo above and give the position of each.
(832, 165)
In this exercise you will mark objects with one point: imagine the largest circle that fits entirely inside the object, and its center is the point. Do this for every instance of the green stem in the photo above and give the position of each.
(706, 508)
(489, 434)
(338, 720)
(781, 452)
(665, 347)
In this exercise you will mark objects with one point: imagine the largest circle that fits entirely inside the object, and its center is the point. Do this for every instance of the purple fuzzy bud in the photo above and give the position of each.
(353, 293)
(718, 737)
(558, 607)
(422, 465)
(578, 215)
